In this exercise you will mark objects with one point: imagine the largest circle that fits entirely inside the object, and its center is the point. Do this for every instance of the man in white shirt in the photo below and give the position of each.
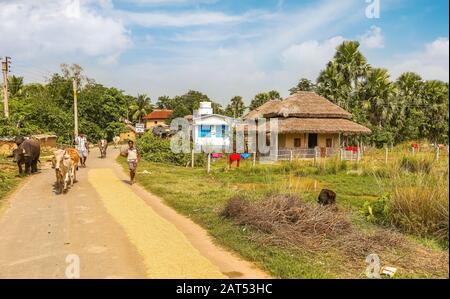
(82, 148)
(133, 158)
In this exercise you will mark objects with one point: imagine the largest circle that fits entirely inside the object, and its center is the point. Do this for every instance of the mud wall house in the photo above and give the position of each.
(45, 140)
(7, 145)
(210, 130)
(129, 134)
(157, 118)
(308, 122)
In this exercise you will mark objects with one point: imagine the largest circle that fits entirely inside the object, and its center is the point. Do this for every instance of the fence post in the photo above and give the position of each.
(340, 154)
(291, 156)
(193, 158)
(437, 152)
(209, 162)
(254, 159)
(386, 154)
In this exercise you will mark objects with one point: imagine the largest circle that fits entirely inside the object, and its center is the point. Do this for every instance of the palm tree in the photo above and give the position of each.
(331, 85)
(409, 117)
(378, 94)
(236, 107)
(15, 85)
(140, 107)
(351, 63)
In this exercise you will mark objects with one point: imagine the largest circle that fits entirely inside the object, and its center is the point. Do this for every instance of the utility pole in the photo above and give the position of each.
(75, 106)
(5, 71)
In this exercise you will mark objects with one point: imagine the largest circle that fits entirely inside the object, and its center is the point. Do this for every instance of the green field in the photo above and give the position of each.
(202, 197)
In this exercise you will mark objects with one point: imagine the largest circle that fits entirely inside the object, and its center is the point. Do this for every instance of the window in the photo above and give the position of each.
(156, 122)
(297, 142)
(329, 142)
(205, 131)
(221, 131)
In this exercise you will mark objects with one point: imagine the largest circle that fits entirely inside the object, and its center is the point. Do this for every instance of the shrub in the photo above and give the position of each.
(155, 149)
(416, 204)
(416, 164)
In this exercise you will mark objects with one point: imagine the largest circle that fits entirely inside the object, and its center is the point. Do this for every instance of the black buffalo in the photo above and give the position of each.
(327, 197)
(27, 153)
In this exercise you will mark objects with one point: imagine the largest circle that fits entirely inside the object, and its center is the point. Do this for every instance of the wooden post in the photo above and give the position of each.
(340, 154)
(254, 159)
(315, 156)
(209, 163)
(291, 156)
(193, 158)
(386, 154)
(437, 153)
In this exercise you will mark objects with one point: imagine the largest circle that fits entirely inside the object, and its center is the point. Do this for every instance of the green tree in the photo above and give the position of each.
(303, 85)
(15, 85)
(235, 108)
(262, 98)
(141, 107)
(331, 84)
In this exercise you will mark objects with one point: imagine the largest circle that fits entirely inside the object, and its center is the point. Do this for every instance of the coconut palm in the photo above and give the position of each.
(140, 107)
(15, 85)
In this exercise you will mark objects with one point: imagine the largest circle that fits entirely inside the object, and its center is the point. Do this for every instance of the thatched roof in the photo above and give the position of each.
(262, 110)
(308, 112)
(307, 104)
(320, 125)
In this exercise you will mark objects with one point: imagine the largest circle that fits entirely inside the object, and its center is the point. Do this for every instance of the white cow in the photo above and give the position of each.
(116, 141)
(63, 165)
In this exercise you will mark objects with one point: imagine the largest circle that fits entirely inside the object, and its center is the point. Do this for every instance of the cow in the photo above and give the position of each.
(103, 145)
(327, 197)
(116, 141)
(73, 153)
(63, 166)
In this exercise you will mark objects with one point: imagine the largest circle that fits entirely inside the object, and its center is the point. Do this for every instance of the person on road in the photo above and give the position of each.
(133, 158)
(82, 148)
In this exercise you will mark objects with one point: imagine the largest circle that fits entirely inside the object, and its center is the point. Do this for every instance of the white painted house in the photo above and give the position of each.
(209, 129)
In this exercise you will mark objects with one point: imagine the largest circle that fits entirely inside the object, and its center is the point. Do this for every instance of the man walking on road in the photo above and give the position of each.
(82, 148)
(133, 158)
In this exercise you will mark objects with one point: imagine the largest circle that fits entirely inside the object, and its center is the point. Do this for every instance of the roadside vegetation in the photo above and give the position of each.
(8, 178)
(393, 210)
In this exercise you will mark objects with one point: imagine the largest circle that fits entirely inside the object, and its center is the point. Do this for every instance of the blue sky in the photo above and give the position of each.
(220, 47)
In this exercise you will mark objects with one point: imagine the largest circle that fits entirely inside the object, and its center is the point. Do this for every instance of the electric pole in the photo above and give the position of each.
(5, 71)
(75, 106)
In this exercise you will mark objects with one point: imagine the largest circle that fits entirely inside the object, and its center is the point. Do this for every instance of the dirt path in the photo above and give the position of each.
(117, 230)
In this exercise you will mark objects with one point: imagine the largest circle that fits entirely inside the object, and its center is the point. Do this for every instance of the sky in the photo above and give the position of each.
(222, 48)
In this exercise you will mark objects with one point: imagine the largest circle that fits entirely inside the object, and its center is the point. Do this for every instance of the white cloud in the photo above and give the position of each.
(373, 39)
(309, 57)
(432, 63)
(184, 19)
(66, 28)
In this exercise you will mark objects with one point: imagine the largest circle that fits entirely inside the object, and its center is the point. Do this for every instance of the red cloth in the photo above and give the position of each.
(234, 157)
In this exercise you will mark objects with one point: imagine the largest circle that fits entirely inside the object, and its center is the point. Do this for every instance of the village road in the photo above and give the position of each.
(107, 229)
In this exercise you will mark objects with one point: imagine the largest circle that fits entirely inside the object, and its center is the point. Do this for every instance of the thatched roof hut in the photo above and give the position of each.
(308, 112)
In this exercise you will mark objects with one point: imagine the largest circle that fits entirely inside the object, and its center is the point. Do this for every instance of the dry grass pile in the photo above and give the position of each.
(288, 221)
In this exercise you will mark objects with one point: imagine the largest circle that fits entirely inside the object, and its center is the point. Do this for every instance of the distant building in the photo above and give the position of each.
(157, 118)
(209, 129)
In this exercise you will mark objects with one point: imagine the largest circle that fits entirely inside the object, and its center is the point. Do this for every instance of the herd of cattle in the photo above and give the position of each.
(65, 161)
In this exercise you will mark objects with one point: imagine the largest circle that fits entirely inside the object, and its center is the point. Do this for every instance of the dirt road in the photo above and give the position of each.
(116, 230)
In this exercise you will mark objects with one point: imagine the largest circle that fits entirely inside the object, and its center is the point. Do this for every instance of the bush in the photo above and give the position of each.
(155, 149)
(417, 164)
(416, 204)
